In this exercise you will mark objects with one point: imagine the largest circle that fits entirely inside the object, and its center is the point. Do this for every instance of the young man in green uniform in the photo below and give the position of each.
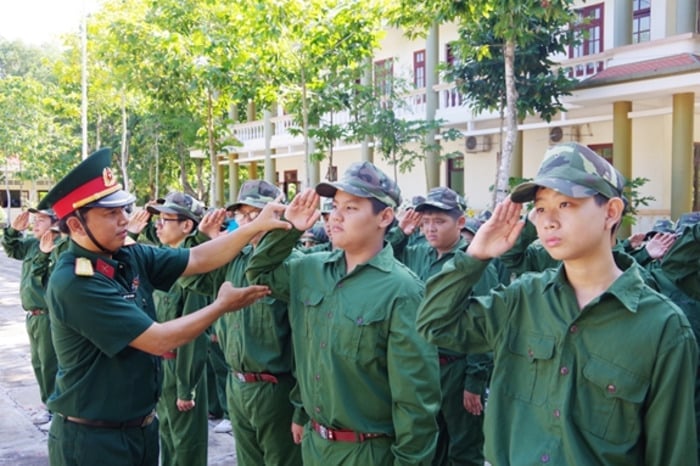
(108, 342)
(257, 345)
(32, 295)
(591, 365)
(463, 379)
(367, 381)
(183, 407)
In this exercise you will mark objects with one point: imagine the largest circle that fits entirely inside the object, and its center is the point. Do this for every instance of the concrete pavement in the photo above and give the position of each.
(21, 442)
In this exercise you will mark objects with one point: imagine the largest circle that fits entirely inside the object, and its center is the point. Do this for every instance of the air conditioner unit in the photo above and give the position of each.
(478, 143)
(556, 134)
(559, 133)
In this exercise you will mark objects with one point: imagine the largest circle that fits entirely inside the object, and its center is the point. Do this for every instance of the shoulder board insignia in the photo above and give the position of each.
(83, 267)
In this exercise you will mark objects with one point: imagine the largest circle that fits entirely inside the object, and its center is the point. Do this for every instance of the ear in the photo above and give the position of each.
(461, 221)
(75, 226)
(614, 209)
(386, 216)
(188, 226)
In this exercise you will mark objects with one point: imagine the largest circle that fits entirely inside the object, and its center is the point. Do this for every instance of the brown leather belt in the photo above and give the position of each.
(341, 435)
(143, 421)
(445, 360)
(37, 312)
(169, 355)
(252, 377)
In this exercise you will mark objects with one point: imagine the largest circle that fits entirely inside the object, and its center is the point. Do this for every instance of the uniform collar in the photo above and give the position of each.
(627, 289)
(383, 260)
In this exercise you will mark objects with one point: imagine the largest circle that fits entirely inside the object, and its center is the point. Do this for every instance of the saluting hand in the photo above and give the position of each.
(302, 212)
(269, 217)
(21, 222)
(46, 243)
(499, 233)
(212, 222)
(234, 299)
(138, 221)
(410, 221)
(659, 244)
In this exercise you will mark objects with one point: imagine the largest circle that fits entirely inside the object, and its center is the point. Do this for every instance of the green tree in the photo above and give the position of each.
(516, 24)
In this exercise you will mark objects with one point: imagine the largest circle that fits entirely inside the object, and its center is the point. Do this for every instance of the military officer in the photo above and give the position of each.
(108, 342)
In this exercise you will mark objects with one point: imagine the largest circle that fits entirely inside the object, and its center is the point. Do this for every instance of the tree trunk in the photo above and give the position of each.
(212, 150)
(501, 186)
(124, 158)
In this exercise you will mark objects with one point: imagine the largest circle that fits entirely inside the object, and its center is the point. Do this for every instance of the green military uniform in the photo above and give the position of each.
(92, 336)
(461, 439)
(633, 410)
(609, 383)
(32, 297)
(217, 375)
(678, 276)
(257, 346)
(183, 435)
(360, 365)
(106, 391)
(256, 340)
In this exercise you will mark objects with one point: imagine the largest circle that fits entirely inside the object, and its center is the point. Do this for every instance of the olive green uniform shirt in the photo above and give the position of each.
(93, 320)
(609, 384)
(26, 249)
(360, 364)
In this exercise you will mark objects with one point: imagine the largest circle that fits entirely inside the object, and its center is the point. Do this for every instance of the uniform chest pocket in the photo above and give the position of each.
(529, 361)
(360, 335)
(609, 404)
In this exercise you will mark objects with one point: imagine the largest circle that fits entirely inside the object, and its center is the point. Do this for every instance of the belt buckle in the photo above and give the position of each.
(323, 432)
(240, 376)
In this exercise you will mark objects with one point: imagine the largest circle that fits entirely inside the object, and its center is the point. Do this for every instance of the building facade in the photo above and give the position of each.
(638, 72)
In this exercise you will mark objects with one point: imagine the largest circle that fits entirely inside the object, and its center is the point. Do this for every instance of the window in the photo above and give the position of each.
(590, 35)
(696, 177)
(16, 197)
(452, 97)
(419, 69)
(383, 77)
(604, 150)
(641, 21)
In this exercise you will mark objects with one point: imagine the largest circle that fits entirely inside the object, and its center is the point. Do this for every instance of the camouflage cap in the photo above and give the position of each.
(256, 193)
(472, 225)
(178, 203)
(48, 212)
(687, 219)
(415, 200)
(574, 170)
(662, 225)
(363, 179)
(444, 199)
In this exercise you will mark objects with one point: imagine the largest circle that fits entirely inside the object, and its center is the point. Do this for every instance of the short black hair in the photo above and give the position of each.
(377, 205)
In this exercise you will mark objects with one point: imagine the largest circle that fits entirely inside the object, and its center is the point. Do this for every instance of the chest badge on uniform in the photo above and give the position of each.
(83, 267)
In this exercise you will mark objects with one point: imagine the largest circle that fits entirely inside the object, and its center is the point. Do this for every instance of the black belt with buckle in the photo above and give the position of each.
(143, 421)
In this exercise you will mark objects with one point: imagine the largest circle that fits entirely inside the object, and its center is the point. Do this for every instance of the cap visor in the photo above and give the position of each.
(117, 199)
(159, 209)
(526, 192)
(427, 204)
(329, 189)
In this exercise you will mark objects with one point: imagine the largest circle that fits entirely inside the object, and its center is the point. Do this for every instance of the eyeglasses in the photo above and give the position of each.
(161, 221)
(250, 215)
